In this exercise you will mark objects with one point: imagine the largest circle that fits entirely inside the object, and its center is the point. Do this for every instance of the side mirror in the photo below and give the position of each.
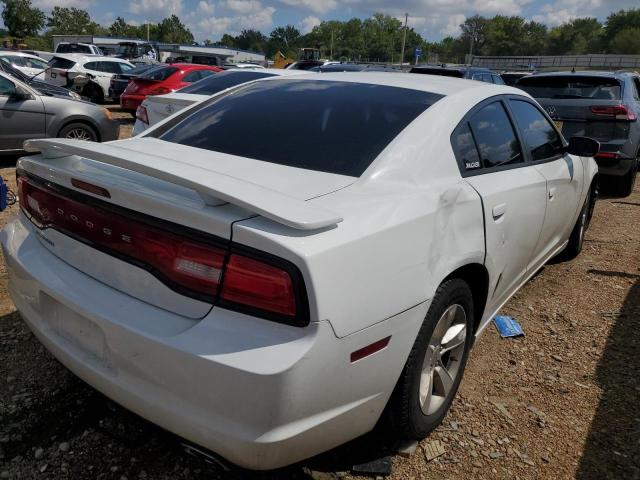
(583, 146)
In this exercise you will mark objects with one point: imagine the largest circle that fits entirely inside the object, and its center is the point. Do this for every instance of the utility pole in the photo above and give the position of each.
(147, 31)
(473, 37)
(404, 38)
(331, 54)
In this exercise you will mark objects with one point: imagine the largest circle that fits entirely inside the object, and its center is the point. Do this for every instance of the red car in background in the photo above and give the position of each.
(163, 79)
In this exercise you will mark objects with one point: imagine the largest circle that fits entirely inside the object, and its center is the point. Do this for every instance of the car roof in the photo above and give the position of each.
(85, 57)
(188, 66)
(426, 83)
(459, 68)
(583, 73)
(16, 53)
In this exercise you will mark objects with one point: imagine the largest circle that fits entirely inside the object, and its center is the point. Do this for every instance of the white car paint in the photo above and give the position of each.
(28, 64)
(372, 251)
(160, 107)
(82, 66)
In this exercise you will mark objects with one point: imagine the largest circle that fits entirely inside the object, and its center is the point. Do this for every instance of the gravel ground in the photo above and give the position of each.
(561, 402)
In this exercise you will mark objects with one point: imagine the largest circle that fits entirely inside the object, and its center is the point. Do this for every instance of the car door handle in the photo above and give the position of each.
(499, 210)
(552, 193)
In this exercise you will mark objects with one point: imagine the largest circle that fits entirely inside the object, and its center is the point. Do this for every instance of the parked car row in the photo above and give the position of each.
(278, 267)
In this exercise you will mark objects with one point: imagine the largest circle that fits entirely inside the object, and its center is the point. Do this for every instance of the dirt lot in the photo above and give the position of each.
(562, 402)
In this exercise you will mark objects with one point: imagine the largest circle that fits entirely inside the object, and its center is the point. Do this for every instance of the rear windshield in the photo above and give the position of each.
(57, 62)
(140, 69)
(73, 48)
(159, 73)
(571, 86)
(328, 126)
(221, 81)
(438, 71)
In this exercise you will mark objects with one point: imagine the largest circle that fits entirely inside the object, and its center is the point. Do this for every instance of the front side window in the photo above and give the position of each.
(331, 126)
(14, 60)
(34, 63)
(541, 138)
(495, 137)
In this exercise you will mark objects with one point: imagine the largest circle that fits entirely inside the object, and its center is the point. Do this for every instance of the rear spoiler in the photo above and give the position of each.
(212, 186)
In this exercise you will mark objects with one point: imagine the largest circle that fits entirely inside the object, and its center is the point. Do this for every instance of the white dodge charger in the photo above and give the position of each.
(268, 271)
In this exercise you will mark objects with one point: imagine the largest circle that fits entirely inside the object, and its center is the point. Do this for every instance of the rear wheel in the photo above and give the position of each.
(434, 369)
(79, 131)
(625, 187)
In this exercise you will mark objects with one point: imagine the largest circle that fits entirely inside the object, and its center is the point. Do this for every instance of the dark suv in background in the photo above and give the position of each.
(471, 73)
(601, 105)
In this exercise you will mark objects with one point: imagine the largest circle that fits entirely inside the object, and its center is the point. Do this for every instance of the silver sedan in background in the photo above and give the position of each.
(28, 113)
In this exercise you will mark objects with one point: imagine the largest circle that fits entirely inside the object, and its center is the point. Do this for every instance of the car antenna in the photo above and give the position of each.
(30, 79)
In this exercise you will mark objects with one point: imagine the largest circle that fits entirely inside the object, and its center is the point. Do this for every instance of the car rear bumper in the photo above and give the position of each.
(260, 394)
(615, 166)
(131, 102)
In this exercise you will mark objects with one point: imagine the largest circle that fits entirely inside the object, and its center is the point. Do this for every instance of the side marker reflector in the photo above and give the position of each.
(370, 349)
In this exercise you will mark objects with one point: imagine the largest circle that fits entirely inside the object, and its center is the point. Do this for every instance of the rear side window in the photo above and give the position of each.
(221, 81)
(571, 86)
(109, 67)
(95, 66)
(495, 137)
(541, 138)
(63, 63)
(335, 127)
(465, 147)
(159, 73)
(196, 75)
(497, 79)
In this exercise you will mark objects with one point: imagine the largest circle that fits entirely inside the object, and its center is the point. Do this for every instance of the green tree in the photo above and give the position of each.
(619, 21)
(253, 40)
(120, 28)
(577, 37)
(71, 21)
(172, 30)
(228, 41)
(626, 41)
(284, 37)
(474, 27)
(21, 19)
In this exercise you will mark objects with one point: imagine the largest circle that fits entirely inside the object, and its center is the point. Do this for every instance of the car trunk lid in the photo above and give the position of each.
(142, 199)
(160, 107)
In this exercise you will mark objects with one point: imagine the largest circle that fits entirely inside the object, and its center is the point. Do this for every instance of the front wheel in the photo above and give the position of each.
(432, 374)
(79, 131)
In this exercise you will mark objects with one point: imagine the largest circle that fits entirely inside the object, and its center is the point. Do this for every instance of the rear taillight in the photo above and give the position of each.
(159, 91)
(617, 112)
(258, 285)
(189, 262)
(141, 114)
(608, 155)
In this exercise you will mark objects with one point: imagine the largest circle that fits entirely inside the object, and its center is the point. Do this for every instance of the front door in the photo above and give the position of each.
(563, 173)
(20, 118)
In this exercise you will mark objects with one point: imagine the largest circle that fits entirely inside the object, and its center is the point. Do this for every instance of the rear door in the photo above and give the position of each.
(513, 193)
(564, 175)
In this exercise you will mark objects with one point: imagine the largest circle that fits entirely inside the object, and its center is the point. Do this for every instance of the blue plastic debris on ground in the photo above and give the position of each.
(507, 326)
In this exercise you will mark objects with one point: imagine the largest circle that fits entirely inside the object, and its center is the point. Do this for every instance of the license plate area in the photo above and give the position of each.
(85, 338)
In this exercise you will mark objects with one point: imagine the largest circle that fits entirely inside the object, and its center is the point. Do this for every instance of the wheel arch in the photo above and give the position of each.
(476, 276)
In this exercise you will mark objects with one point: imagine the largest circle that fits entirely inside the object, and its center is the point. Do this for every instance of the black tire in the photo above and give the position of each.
(78, 131)
(576, 239)
(626, 183)
(405, 411)
(94, 93)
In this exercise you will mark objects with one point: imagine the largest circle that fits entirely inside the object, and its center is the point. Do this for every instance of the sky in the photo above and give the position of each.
(433, 19)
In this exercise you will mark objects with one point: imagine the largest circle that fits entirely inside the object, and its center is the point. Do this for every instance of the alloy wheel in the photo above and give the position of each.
(443, 358)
